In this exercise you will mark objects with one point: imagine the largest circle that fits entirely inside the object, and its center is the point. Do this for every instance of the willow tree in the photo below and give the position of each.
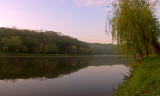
(134, 25)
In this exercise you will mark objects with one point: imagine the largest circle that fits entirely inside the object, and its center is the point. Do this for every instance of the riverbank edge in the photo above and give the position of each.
(37, 55)
(144, 79)
(52, 55)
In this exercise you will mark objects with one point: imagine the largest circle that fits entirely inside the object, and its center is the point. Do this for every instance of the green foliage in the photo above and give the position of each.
(84, 51)
(24, 49)
(144, 80)
(46, 49)
(52, 48)
(74, 50)
(104, 49)
(13, 44)
(30, 41)
(4, 44)
(134, 25)
(81, 51)
(40, 47)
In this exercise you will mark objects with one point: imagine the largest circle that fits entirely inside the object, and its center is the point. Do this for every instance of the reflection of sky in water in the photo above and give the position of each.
(87, 81)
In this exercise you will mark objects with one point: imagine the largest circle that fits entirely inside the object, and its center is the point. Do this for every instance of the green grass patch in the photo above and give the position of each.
(144, 79)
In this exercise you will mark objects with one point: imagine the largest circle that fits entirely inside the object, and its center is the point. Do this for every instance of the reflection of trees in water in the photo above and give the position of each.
(16, 68)
(111, 60)
(49, 67)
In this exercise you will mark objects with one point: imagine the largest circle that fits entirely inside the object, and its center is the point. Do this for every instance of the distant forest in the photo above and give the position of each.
(13, 40)
(105, 49)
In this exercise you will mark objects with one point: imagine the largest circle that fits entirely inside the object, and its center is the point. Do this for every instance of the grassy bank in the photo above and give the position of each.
(144, 80)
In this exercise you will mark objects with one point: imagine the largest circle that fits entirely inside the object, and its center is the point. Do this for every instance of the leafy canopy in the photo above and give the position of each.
(134, 24)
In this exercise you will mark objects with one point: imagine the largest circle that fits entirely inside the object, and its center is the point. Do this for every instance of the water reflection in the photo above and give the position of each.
(49, 67)
(61, 76)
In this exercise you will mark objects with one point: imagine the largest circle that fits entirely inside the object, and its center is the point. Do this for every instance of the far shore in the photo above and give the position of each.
(54, 55)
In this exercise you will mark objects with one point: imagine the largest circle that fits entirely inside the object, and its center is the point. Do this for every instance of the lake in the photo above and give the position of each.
(62, 76)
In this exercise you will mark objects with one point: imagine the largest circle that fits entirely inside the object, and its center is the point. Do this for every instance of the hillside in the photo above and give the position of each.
(49, 42)
(14, 40)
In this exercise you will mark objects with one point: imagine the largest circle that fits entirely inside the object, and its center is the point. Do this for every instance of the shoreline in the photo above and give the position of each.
(53, 55)
(144, 79)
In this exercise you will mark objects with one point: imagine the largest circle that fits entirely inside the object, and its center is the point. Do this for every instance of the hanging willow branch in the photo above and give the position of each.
(134, 26)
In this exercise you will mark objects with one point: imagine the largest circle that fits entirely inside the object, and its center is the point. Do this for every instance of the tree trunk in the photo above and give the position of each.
(156, 48)
(155, 45)
(147, 53)
(147, 50)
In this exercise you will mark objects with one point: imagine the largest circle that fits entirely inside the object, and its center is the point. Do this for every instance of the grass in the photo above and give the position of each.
(144, 79)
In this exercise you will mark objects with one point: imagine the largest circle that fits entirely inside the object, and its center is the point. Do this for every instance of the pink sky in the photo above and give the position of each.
(82, 19)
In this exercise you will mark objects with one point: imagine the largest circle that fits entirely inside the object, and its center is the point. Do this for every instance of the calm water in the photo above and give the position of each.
(61, 76)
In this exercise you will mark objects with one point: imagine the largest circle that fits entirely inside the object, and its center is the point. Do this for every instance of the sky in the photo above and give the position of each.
(81, 19)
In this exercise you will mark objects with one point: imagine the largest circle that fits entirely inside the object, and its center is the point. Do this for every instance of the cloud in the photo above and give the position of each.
(86, 3)
(101, 2)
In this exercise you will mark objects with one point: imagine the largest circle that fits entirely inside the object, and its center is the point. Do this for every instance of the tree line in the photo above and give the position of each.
(13, 40)
(105, 49)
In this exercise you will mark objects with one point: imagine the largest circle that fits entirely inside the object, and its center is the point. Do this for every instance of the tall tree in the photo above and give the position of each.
(74, 50)
(4, 44)
(134, 25)
(15, 43)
